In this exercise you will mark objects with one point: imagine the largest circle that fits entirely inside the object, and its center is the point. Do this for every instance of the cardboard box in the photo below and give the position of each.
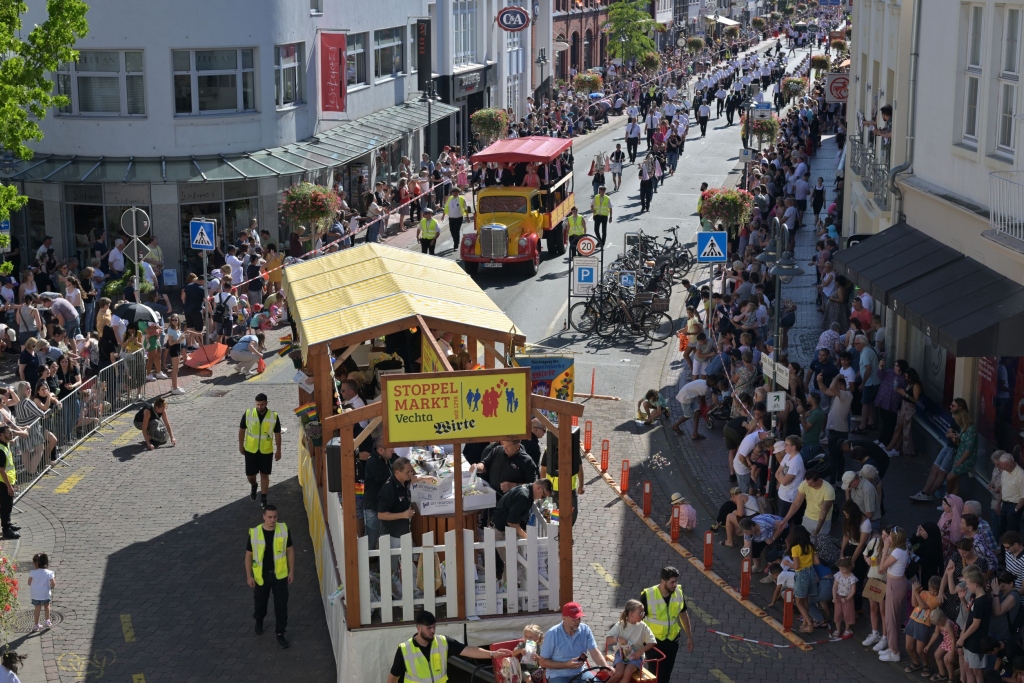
(446, 505)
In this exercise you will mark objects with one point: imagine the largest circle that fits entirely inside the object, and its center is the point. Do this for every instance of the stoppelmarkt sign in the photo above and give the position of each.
(441, 408)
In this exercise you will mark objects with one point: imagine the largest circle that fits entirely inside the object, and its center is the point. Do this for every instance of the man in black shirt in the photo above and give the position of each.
(393, 503)
(822, 365)
(507, 465)
(193, 298)
(417, 651)
(514, 510)
(256, 280)
(270, 568)
(376, 474)
(533, 447)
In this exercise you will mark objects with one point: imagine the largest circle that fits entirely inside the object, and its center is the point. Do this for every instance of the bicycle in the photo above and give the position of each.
(637, 319)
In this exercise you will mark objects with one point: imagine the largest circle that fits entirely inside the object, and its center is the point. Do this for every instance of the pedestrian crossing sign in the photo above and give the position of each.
(203, 234)
(712, 247)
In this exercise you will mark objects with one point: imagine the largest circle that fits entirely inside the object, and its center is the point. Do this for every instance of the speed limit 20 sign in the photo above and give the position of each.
(586, 245)
(837, 87)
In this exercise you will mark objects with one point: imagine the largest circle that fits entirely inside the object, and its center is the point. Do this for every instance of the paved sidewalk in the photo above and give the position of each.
(147, 547)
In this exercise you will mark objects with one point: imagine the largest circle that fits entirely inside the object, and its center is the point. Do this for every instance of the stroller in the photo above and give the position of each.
(719, 414)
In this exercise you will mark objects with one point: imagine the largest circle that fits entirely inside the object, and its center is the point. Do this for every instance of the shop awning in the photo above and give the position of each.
(369, 286)
(968, 308)
(334, 147)
(724, 21)
(891, 259)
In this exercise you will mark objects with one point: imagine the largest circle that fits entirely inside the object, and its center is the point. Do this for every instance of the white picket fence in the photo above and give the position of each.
(533, 590)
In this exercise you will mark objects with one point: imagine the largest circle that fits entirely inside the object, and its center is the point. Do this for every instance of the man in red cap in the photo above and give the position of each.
(563, 652)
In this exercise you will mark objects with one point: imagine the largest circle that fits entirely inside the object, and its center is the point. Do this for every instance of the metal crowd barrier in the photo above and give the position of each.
(81, 413)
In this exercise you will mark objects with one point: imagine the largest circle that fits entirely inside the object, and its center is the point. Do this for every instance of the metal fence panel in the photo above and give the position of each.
(81, 413)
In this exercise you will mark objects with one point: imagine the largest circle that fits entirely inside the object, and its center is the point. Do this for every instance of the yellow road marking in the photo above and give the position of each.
(701, 614)
(141, 678)
(128, 629)
(129, 435)
(714, 672)
(255, 379)
(603, 573)
(70, 482)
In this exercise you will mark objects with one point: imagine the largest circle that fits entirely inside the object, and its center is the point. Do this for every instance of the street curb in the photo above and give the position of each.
(796, 640)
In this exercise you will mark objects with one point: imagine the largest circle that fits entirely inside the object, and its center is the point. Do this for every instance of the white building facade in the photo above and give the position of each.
(217, 117)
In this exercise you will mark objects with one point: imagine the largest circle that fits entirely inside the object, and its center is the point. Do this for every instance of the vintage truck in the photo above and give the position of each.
(511, 221)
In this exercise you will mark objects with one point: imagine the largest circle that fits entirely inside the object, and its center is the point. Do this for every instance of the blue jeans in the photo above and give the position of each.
(372, 525)
(944, 461)
(824, 594)
(673, 159)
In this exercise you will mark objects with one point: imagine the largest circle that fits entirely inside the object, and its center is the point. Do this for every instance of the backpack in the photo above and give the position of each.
(220, 310)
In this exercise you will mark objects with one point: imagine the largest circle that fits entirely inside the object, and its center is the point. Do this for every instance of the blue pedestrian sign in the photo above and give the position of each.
(712, 247)
(203, 234)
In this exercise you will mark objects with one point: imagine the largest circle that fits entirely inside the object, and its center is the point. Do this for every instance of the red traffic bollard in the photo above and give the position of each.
(708, 545)
(575, 421)
(675, 523)
(588, 435)
(647, 499)
(745, 578)
(625, 476)
(605, 445)
(787, 611)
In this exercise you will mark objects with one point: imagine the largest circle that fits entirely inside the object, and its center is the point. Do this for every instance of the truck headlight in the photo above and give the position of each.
(522, 243)
(467, 241)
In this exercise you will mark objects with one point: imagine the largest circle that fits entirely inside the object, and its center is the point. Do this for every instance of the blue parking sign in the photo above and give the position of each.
(712, 247)
(627, 279)
(203, 234)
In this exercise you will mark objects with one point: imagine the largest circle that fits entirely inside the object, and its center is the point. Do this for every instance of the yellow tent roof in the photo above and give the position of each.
(373, 284)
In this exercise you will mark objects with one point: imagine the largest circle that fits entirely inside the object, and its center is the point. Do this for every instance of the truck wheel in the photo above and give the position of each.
(556, 240)
(471, 267)
(533, 265)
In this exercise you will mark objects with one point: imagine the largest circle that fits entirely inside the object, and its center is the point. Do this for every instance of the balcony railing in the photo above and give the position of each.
(854, 153)
(880, 173)
(867, 162)
(1006, 202)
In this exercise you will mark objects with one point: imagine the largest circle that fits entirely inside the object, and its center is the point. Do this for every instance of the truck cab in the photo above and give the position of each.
(510, 221)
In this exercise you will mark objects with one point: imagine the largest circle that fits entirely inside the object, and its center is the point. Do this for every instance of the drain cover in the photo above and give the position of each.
(23, 622)
(217, 393)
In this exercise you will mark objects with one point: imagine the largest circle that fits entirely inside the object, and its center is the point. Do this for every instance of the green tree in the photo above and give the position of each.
(629, 29)
(25, 90)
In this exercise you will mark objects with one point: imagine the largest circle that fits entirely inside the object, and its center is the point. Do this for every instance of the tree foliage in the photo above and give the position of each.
(629, 29)
(25, 90)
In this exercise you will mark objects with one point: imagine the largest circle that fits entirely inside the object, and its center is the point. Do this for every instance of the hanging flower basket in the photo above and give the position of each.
(849, 32)
(820, 62)
(839, 45)
(730, 207)
(586, 82)
(8, 596)
(732, 32)
(767, 130)
(296, 357)
(775, 16)
(801, 7)
(695, 44)
(789, 10)
(650, 61)
(311, 205)
(490, 123)
(794, 87)
(758, 23)
(314, 431)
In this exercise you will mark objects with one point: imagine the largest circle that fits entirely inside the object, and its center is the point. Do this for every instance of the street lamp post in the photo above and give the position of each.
(430, 96)
(542, 61)
(783, 269)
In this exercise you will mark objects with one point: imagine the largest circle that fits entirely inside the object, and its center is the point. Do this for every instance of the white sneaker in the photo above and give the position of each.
(150, 378)
(178, 392)
(889, 656)
(161, 375)
(921, 496)
(37, 627)
(871, 639)
(882, 645)
(49, 623)
(894, 453)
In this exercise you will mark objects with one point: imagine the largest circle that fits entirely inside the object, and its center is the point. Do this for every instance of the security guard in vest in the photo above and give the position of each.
(269, 568)
(426, 232)
(10, 478)
(259, 431)
(577, 229)
(424, 657)
(456, 210)
(665, 605)
(602, 210)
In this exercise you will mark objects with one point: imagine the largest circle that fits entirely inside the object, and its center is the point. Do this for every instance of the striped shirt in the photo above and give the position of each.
(1015, 565)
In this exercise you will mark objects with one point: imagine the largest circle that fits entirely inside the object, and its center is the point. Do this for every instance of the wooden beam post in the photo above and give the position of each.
(472, 349)
(489, 348)
(323, 396)
(429, 336)
(348, 525)
(548, 424)
(459, 543)
(344, 356)
(565, 508)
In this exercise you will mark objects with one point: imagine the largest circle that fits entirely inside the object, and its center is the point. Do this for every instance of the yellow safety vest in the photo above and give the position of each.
(602, 205)
(428, 229)
(462, 206)
(576, 226)
(259, 546)
(12, 473)
(259, 436)
(418, 669)
(554, 482)
(661, 617)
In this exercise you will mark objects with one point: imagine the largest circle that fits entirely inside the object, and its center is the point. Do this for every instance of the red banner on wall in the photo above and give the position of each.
(332, 72)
